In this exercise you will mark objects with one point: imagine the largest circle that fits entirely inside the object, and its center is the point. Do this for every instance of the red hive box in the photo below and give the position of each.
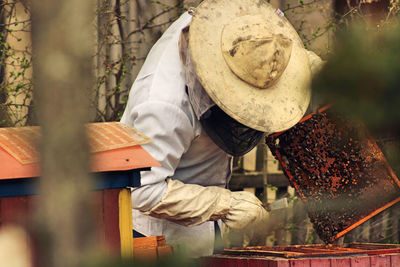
(351, 255)
(116, 161)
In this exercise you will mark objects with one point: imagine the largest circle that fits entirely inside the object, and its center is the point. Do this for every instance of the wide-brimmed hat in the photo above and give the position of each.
(251, 62)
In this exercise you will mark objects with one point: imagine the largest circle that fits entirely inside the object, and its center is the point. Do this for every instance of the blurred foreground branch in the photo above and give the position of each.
(61, 35)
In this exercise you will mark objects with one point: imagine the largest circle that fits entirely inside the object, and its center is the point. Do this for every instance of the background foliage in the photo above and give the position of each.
(15, 64)
(125, 31)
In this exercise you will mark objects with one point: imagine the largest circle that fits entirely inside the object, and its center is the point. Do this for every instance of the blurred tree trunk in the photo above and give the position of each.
(62, 33)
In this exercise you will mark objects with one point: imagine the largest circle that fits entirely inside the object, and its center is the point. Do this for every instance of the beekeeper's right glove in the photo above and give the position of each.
(190, 204)
(247, 221)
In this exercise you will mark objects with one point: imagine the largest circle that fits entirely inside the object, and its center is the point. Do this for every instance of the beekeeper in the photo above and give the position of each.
(211, 87)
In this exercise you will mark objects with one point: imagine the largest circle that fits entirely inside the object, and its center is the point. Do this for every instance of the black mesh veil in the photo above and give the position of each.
(231, 136)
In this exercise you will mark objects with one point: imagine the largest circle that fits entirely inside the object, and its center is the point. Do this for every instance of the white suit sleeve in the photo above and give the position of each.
(172, 133)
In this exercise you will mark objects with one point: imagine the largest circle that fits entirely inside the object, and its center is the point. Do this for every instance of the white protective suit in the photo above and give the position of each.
(159, 107)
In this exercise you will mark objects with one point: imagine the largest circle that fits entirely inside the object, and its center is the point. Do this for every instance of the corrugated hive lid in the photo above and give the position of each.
(114, 147)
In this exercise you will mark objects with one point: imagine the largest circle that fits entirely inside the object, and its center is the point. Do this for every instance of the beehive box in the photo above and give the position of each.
(117, 159)
(350, 255)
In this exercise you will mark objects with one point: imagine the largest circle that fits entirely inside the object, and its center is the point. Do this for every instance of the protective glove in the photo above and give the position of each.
(247, 221)
(246, 210)
(189, 204)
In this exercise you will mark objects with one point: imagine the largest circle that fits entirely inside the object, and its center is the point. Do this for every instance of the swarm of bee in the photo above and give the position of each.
(337, 169)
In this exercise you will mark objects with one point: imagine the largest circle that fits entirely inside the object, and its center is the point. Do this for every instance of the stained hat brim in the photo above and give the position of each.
(270, 110)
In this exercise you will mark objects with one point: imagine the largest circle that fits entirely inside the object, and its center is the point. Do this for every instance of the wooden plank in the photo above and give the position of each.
(114, 160)
(20, 143)
(98, 211)
(263, 252)
(111, 220)
(105, 136)
(340, 262)
(278, 263)
(125, 222)
(228, 262)
(233, 262)
(240, 181)
(219, 261)
(150, 241)
(258, 263)
(122, 159)
(225, 262)
(114, 147)
(31, 207)
(373, 246)
(145, 253)
(164, 251)
(31, 203)
(319, 262)
(247, 262)
(243, 262)
(12, 168)
(210, 262)
(380, 261)
(360, 261)
(395, 260)
(13, 209)
(300, 263)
